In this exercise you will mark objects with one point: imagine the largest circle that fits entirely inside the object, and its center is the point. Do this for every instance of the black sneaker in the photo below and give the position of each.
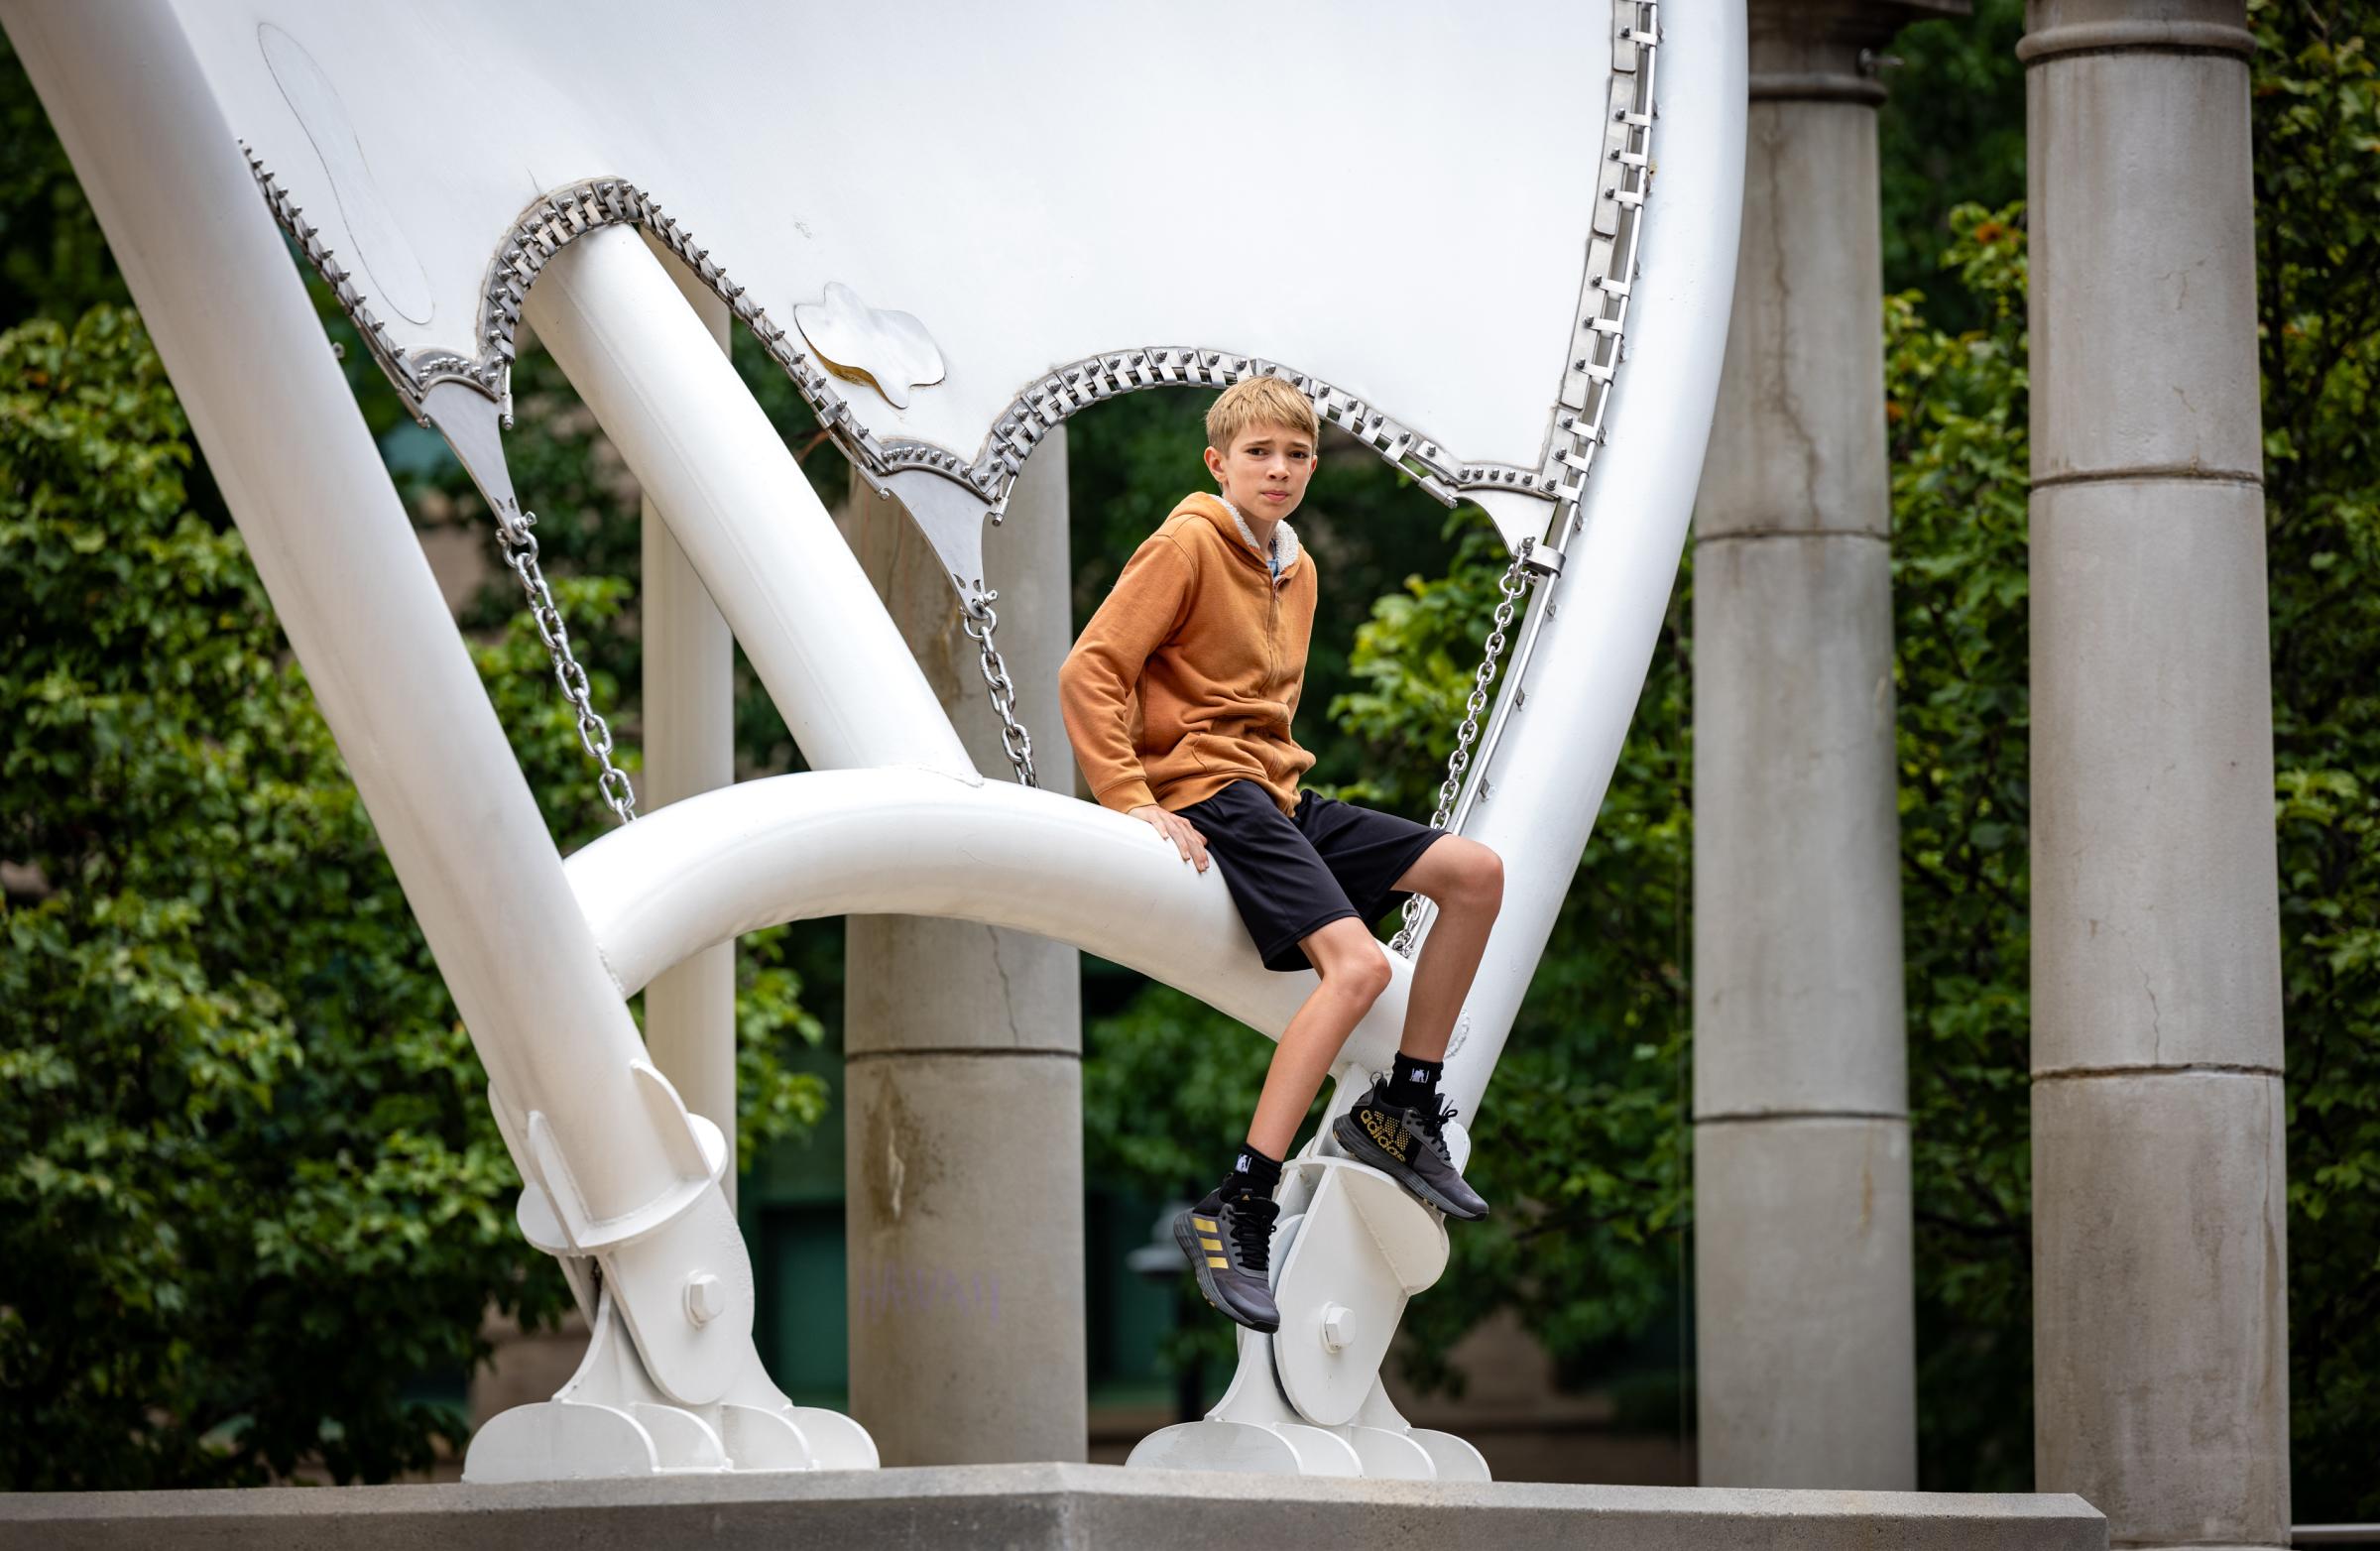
(1409, 1147)
(1229, 1240)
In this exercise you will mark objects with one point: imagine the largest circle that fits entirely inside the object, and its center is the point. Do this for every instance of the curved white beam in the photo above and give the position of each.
(911, 842)
(739, 506)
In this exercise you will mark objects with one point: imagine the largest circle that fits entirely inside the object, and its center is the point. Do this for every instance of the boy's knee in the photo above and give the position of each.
(1480, 880)
(1362, 974)
(1492, 877)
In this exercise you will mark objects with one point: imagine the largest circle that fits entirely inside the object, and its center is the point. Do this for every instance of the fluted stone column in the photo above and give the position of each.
(689, 748)
(2160, 1329)
(963, 1065)
(1806, 1371)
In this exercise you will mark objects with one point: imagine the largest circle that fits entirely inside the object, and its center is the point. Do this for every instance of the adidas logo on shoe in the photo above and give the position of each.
(1388, 1131)
(1382, 1135)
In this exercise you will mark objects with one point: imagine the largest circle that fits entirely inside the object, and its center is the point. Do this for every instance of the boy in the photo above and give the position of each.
(1178, 698)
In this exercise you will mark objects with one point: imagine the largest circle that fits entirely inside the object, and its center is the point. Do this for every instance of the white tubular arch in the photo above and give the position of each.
(913, 842)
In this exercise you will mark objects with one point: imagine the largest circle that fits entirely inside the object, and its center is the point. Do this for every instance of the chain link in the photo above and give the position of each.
(1513, 586)
(977, 620)
(1581, 418)
(594, 733)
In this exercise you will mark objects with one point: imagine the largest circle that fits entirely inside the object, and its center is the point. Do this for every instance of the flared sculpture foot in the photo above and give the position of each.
(611, 1421)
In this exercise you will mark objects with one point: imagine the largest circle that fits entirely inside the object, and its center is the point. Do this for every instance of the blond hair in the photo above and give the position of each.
(1258, 401)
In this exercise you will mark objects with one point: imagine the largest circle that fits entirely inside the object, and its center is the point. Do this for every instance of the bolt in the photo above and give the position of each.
(706, 1298)
(1337, 1327)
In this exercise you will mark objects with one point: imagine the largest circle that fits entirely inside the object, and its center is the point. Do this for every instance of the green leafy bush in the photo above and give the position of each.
(2318, 270)
(253, 1204)
(1955, 415)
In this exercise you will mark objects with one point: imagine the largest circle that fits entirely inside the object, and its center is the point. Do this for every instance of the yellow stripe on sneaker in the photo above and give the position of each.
(1205, 1225)
(1215, 1260)
(1205, 1242)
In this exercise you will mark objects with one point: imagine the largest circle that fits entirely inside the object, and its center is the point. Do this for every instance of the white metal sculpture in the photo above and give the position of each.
(952, 236)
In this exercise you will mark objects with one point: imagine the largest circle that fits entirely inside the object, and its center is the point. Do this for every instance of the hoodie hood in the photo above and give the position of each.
(1228, 518)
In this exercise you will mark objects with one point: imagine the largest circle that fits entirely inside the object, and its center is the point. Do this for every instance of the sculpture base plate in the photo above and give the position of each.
(1042, 1506)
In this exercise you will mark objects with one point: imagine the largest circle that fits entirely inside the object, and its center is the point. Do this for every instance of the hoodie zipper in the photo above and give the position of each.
(1272, 629)
(1272, 620)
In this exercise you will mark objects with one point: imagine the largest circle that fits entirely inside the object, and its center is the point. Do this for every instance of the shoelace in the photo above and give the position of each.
(1433, 1129)
(1251, 1230)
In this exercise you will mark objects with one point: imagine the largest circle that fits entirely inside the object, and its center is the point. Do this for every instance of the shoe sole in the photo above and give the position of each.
(1366, 1150)
(1205, 1274)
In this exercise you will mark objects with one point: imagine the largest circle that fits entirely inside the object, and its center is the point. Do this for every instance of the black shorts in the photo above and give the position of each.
(1292, 875)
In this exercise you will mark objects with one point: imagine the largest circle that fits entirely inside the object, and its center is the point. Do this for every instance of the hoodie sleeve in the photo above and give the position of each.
(1099, 677)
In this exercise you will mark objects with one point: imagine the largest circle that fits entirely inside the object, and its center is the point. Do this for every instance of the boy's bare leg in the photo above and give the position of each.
(1355, 971)
(1466, 880)
(1397, 1125)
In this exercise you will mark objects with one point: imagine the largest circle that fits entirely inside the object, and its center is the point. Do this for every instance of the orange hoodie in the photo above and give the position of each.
(1187, 676)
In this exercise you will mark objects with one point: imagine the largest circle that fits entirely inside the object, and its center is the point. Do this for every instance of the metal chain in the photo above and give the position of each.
(1515, 583)
(1582, 417)
(977, 620)
(594, 733)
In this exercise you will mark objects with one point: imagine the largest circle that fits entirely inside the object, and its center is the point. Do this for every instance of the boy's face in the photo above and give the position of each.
(1264, 473)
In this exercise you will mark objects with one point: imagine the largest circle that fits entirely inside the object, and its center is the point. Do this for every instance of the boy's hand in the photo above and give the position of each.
(1184, 834)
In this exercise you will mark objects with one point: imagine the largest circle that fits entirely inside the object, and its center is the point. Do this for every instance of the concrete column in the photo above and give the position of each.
(2159, 1330)
(963, 1074)
(689, 748)
(1806, 1371)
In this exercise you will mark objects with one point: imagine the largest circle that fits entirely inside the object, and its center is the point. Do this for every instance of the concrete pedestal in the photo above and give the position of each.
(1062, 1507)
(1807, 1362)
(963, 1065)
(2159, 1198)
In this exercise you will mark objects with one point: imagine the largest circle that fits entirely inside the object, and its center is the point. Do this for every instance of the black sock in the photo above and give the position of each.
(1413, 1084)
(1253, 1174)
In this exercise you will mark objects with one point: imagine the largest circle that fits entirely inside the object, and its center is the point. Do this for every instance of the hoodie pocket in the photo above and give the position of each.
(1224, 755)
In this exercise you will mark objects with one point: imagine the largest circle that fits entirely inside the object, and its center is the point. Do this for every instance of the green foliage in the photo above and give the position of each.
(2316, 105)
(54, 262)
(252, 1199)
(1414, 665)
(1955, 415)
(1952, 133)
(1585, 1148)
